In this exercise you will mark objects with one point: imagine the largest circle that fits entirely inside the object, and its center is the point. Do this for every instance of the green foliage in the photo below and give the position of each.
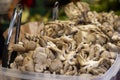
(104, 5)
(45, 13)
(40, 12)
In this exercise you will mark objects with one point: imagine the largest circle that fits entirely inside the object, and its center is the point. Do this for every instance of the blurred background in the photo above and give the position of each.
(36, 10)
(41, 10)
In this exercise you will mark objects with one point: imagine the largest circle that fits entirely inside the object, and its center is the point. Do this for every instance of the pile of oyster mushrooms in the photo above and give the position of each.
(87, 43)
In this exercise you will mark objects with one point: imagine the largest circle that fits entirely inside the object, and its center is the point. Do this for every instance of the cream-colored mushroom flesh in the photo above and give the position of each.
(85, 44)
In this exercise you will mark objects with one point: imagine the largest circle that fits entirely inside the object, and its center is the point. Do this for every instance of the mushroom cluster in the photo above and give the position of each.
(85, 44)
(107, 24)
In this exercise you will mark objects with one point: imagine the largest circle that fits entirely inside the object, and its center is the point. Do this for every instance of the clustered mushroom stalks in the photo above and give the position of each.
(82, 45)
(107, 24)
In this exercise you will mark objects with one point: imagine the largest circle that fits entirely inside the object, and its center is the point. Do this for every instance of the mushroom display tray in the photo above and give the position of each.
(9, 74)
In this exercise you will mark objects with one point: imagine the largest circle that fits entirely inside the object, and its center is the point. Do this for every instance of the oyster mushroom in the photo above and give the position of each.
(27, 65)
(70, 41)
(19, 59)
(42, 41)
(91, 67)
(116, 37)
(70, 58)
(29, 45)
(18, 47)
(117, 24)
(85, 44)
(78, 37)
(18, 62)
(112, 47)
(50, 54)
(55, 65)
(77, 13)
(13, 65)
(59, 52)
(40, 59)
(92, 59)
(72, 70)
(72, 11)
(107, 28)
